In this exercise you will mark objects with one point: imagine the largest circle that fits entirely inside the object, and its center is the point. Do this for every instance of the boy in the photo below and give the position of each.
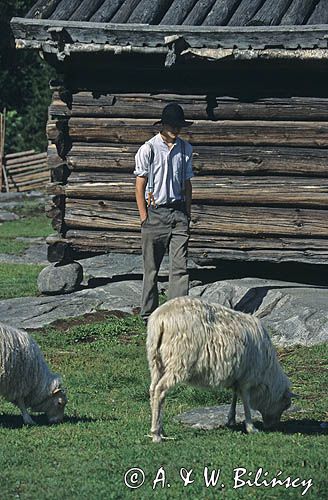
(163, 194)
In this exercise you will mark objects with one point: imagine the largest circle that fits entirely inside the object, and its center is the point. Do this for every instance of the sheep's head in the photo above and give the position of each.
(54, 404)
(271, 416)
(56, 407)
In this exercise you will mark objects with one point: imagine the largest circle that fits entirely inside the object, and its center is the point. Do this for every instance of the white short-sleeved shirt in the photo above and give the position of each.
(167, 167)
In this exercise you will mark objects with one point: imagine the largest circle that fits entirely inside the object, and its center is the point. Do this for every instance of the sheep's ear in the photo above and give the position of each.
(55, 385)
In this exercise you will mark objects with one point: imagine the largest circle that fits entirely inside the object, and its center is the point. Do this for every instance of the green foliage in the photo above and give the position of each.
(108, 418)
(24, 84)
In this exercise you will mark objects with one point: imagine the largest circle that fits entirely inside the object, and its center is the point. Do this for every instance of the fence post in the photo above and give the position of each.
(3, 176)
(1, 150)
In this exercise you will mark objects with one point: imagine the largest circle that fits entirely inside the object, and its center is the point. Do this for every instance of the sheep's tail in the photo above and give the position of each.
(155, 332)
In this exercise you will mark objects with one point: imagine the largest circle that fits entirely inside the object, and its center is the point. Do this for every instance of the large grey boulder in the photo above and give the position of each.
(293, 313)
(120, 264)
(58, 279)
(213, 417)
(36, 312)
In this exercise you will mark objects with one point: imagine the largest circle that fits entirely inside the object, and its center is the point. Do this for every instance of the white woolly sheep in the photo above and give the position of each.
(25, 378)
(189, 340)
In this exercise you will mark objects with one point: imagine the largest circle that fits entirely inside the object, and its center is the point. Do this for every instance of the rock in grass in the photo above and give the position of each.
(208, 418)
(57, 279)
(7, 216)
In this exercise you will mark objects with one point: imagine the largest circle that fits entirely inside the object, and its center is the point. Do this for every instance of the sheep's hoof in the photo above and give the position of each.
(158, 438)
(250, 429)
(154, 437)
(231, 422)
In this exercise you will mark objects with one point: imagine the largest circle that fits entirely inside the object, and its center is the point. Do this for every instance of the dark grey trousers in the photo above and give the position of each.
(165, 228)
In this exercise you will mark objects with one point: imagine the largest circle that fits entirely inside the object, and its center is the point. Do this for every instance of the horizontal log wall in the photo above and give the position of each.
(261, 185)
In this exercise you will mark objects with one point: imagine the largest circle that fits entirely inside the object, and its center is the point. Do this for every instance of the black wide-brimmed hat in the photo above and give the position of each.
(173, 114)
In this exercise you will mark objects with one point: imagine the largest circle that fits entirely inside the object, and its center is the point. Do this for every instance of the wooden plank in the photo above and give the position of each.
(65, 9)
(3, 172)
(19, 155)
(244, 12)
(261, 191)
(221, 12)
(149, 11)
(54, 209)
(154, 36)
(42, 9)
(30, 187)
(23, 160)
(196, 107)
(304, 256)
(320, 14)
(124, 12)
(106, 11)
(27, 166)
(2, 146)
(177, 12)
(36, 173)
(297, 12)
(198, 13)
(25, 180)
(19, 169)
(250, 249)
(58, 130)
(247, 132)
(117, 105)
(53, 159)
(223, 160)
(270, 13)
(86, 10)
(264, 191)
(228, 220)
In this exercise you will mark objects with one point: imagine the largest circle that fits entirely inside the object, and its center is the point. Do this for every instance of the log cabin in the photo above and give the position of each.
(251, 74)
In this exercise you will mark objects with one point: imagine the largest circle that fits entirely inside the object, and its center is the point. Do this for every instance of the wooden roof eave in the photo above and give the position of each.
(35, 33)
(251, 54)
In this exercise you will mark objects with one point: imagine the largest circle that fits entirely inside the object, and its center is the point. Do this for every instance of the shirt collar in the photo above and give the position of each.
(164, 143)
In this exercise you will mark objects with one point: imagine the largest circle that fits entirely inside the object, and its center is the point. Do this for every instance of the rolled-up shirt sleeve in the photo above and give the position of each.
(142, 161)
(189, 171)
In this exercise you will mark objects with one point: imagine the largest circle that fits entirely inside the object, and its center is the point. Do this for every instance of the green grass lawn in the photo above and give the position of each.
(31, 227)
(19, 280)
(103, 436)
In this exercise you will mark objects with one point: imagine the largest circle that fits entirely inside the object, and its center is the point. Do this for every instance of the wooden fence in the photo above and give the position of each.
(2, 146)
(26, 170)
(21, 171)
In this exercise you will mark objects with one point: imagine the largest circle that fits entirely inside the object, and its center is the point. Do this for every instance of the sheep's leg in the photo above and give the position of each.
(27, 419)
(155, 378)
(232, 412)
(158, 397)
(250, 428)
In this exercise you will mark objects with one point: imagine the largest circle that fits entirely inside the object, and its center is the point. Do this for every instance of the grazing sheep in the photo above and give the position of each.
(206, 344)
(25, 379)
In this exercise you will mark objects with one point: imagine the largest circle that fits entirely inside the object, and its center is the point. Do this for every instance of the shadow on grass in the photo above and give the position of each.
(305, 427)
(9, 421)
